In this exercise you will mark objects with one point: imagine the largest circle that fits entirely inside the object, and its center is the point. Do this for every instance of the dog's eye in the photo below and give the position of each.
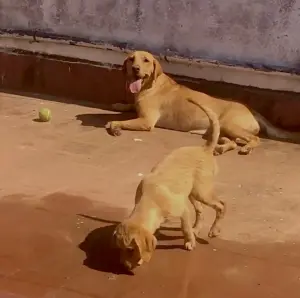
(131, 58)
(146, 60)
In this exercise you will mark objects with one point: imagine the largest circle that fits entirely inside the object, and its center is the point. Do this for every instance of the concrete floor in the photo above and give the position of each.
(53, 172)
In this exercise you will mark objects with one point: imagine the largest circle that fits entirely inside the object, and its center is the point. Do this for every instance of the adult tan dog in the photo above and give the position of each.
(161, 102)
(187, 174)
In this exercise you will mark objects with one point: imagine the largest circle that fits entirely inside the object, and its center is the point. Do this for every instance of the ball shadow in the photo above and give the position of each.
(39, 120)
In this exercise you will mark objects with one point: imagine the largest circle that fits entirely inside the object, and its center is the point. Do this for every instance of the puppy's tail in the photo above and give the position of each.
(213, 137)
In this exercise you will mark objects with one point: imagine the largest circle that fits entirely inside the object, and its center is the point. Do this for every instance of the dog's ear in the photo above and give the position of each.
(157, 69)
(124, 66)
(146, 244)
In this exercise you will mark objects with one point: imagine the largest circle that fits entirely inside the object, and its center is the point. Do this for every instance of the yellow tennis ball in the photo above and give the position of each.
(44, 115)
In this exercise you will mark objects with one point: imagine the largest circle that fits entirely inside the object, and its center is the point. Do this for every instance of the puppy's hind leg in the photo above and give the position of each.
(220, 209)
(199, 216)
(211, 200)
(186, 225)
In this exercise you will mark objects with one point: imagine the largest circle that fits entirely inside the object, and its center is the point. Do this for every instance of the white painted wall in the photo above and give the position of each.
(252, 33)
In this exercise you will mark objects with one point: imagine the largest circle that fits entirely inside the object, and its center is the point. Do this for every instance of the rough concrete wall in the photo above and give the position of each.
(255, 33)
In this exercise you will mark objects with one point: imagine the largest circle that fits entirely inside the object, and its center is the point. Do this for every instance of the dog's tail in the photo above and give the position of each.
(274, 132)
(213, 137)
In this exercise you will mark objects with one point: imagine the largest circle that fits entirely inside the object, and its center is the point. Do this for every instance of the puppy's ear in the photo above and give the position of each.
(113, 240)
(123, 235)
(146, 244)
(157, 68)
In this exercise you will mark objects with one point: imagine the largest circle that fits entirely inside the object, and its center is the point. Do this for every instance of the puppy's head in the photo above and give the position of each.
(135, 243)
(140, 69)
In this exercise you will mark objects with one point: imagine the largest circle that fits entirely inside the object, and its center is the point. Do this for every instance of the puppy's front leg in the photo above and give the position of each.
(141, 123)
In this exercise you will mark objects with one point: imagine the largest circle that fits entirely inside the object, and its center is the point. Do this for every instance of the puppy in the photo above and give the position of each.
(161, 102)
(187, 174)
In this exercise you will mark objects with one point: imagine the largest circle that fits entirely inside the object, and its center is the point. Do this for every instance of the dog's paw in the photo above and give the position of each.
(240, 142)
(113, 128)
(214, 232)
(219, 150)
(245, 150)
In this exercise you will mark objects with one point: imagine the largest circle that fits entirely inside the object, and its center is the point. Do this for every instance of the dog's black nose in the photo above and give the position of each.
(136, 68)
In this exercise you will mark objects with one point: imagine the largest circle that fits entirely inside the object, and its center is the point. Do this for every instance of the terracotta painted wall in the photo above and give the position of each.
(254, 33)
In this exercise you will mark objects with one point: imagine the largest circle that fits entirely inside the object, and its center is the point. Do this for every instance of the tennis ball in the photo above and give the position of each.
(44, 115)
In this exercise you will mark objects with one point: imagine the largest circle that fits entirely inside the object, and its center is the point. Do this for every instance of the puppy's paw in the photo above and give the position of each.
(190, 244)
(214, 232)
(113, 128)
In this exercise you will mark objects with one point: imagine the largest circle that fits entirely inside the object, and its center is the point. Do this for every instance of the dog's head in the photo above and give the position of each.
(135, 243)
(141, 69)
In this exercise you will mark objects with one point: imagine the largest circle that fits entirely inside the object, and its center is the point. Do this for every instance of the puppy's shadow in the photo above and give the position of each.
(163, 237)
(100, 253)
(100, 119)
(102, 256)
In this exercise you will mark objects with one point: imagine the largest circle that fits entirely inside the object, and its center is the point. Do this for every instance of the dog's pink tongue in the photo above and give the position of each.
(135, 86)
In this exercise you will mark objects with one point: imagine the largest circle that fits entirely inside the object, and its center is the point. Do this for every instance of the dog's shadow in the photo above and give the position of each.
(100, 119)
(102, 256)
